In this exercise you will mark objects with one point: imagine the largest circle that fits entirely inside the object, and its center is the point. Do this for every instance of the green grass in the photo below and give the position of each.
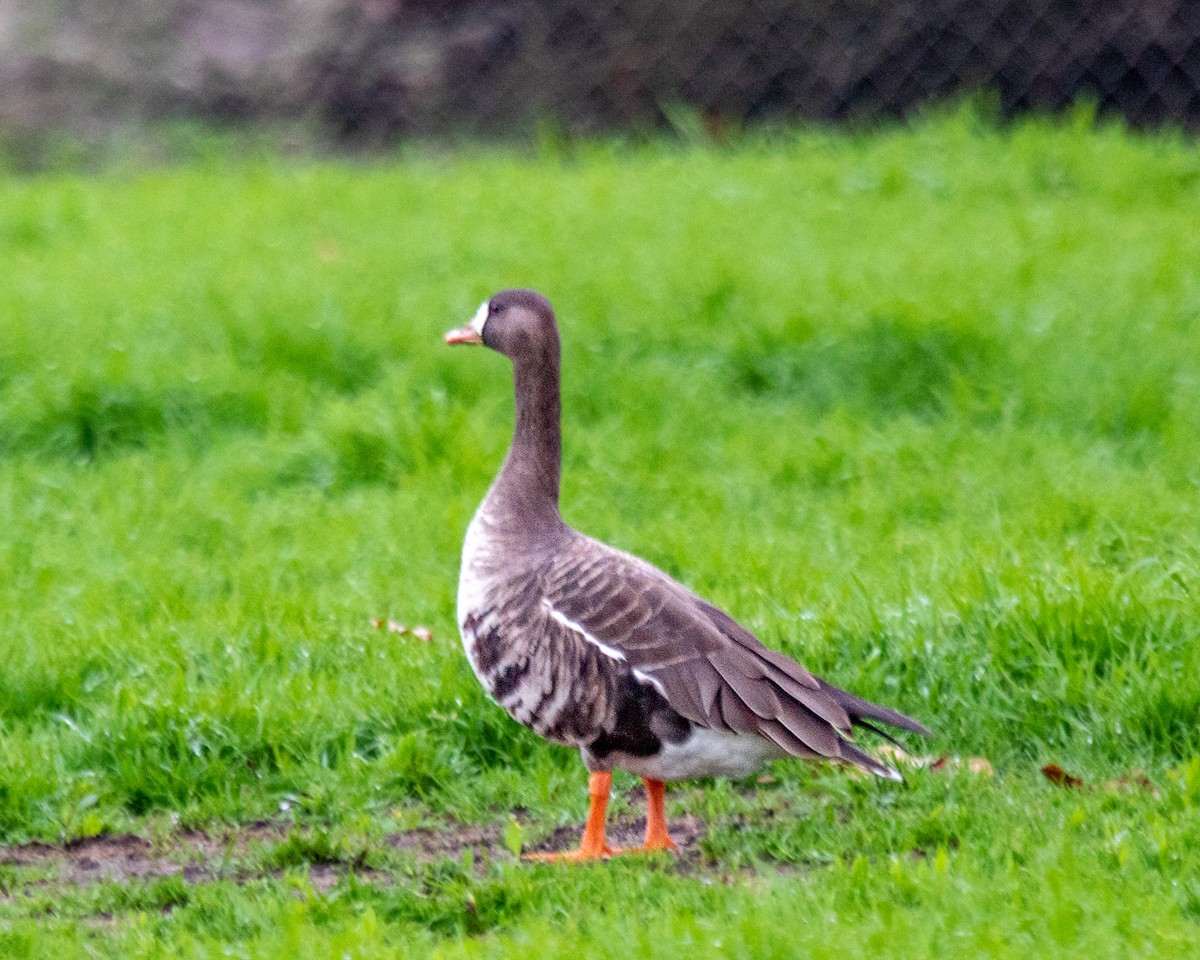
(919, 406)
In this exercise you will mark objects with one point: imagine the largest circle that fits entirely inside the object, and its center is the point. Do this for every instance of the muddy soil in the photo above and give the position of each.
(201, 857)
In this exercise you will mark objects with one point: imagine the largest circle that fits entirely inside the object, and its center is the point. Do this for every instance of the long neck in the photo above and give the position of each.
(526, 489)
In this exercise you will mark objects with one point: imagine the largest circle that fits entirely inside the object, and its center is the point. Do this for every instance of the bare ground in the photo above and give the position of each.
(201, 857)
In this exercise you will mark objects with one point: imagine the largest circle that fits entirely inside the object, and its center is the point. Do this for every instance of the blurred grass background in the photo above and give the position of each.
(919, 405)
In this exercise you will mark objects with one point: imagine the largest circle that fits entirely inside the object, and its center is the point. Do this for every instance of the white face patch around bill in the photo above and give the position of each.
(479, 319)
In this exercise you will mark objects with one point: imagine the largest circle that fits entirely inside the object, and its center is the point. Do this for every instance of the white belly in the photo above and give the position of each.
(472, 582)
(472, 588)
(705, 753)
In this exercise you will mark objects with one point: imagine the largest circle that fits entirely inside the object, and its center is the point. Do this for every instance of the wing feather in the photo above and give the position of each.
(741, 675)
(735, 715)
(784, 738)
(710, 668)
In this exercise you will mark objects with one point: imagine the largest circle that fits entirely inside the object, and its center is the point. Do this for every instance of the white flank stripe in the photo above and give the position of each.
(570, 624)
(646, 678)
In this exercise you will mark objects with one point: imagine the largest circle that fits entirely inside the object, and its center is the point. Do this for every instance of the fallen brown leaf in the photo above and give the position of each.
(940, 764)
(390, 625)
(1137, 780)
(422, 633)
(1059, 777)
(889, 751)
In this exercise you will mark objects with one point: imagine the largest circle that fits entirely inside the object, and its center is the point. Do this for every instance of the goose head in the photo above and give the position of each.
(517, 323)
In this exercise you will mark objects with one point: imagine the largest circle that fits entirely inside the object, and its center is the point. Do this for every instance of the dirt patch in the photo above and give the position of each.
(627, 833)
(194, 856)
(429, 844)
(200, 857)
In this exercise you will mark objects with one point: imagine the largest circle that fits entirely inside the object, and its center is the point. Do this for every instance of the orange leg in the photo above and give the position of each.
(593, 846)
(657, 837)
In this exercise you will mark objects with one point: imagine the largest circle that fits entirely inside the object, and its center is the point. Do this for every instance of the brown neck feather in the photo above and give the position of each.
(525, 494)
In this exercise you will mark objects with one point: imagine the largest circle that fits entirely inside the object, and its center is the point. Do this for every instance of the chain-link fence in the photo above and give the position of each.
(378, 69)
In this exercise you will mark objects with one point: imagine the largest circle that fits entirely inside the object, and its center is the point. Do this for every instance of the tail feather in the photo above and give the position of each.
(879, 733)
(865, 761)
(861, 710)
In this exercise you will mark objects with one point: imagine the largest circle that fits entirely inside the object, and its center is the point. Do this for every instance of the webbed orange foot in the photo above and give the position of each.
(593, 846)
(657, 836)
(657, 845)
(573, 856)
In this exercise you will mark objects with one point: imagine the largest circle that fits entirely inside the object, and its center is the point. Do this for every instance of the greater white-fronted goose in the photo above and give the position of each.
(594, 648)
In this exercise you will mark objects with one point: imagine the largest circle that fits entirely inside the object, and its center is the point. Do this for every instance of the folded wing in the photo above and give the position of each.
(709, 668)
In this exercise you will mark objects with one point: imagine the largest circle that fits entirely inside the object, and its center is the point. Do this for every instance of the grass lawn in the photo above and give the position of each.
(920, 407)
